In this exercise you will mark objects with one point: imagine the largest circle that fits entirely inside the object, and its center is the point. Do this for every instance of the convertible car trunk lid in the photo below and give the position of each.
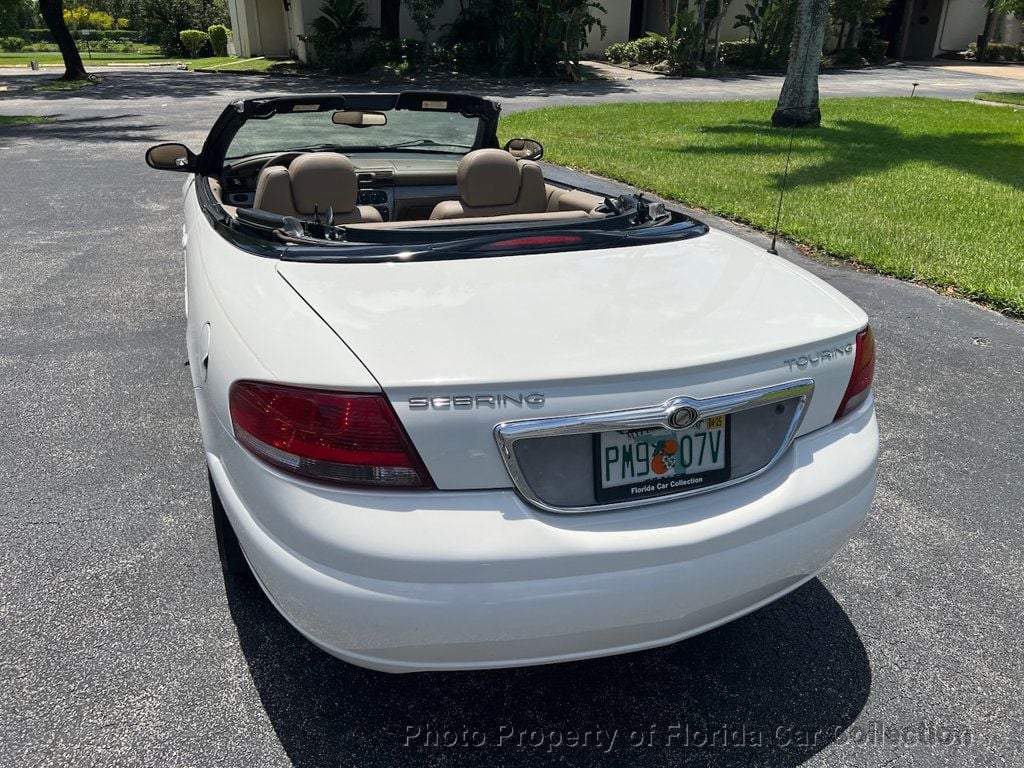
(586, 331)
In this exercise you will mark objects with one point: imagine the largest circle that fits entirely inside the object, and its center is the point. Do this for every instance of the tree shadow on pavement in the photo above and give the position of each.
(770, 689)
(174, 84)
(96, 128)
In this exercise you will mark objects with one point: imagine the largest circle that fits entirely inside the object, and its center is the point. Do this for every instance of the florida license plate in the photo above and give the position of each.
(637, 464)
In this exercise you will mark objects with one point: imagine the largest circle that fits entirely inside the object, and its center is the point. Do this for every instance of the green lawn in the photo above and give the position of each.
(234, 64)
(22, 119)
(98, 59)
(1004, 98)
(152, 56)
(923, 189)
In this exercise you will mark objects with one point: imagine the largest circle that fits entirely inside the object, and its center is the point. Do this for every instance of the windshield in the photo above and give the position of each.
(423, 131)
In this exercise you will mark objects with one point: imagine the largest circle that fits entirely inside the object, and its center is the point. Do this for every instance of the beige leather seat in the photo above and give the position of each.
(493, 183)
(319, 181)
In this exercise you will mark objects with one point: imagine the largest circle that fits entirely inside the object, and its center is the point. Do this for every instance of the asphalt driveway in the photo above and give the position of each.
(121, 644)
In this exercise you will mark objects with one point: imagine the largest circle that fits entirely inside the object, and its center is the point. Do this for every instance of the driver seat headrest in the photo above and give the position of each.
(313, 182)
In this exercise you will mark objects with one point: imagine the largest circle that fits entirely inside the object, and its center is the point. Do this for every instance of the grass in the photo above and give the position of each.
(234, 64)
(923, 189)
(98, 59)
(1002, 98)
(58, 84)
(153, 56)
(6, 120)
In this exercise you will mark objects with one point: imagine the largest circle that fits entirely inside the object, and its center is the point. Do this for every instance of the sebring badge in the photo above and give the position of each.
(464, 402)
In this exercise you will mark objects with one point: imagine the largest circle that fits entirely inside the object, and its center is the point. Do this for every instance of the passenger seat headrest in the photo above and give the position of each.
(324, 180)
(488, 177)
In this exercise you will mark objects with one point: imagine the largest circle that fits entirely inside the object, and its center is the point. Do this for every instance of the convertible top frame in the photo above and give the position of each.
(211, 158)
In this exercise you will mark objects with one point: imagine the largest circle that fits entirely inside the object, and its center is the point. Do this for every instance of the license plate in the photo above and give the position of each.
(638, 464)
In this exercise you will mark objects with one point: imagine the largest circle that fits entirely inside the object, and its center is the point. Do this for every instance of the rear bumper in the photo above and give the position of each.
(405, 582)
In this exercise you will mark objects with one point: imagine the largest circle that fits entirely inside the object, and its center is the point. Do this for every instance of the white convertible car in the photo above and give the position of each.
(459, 416)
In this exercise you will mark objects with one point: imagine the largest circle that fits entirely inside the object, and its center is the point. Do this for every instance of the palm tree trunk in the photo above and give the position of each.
(52, 12)
(798, 101)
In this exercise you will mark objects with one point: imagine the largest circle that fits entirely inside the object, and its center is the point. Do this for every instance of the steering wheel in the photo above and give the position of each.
(524, 149)
(283, 159)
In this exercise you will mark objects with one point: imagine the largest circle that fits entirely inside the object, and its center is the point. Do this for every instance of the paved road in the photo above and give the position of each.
(120, 643)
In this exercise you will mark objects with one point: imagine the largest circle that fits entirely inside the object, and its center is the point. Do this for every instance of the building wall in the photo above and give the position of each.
(1008, 29)
(446, 14)
(960, 24)
(617, 21)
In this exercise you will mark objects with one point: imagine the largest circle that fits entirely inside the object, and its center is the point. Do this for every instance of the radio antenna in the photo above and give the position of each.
(782, 191)
(789, 156)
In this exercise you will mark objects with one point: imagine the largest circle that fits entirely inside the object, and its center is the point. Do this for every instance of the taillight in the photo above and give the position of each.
(863, 373)
(334, 437)
(536, 241)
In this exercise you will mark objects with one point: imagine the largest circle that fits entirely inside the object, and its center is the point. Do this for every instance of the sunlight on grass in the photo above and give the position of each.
(23, 120)
(919, 188)
(1003, 98)
(234, 64)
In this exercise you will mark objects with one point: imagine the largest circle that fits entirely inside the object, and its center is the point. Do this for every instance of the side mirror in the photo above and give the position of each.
(525, 149)
(172, 157)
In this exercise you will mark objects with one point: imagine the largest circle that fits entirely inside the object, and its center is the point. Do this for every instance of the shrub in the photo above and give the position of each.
(647, 50)
(996, 52)
(769, 25)
(422, 13)
(876, 51)
(739, 54)
(11, 44)
(407, 50)
(511, 37)
(335, 32)
(847, 57)
(872, 47)
(463, 57)
(194, 41)
(615, 53)
(219, 39)
(1004, 52)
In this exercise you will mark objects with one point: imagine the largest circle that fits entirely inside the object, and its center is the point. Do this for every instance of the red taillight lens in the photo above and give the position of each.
(334, 437)
(536, 241)
(863, 373)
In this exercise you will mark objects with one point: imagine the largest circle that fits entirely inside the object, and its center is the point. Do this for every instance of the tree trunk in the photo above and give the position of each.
(52, 12)
(798, 101)
(723, 9)
(983, 40)
(851, 33)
